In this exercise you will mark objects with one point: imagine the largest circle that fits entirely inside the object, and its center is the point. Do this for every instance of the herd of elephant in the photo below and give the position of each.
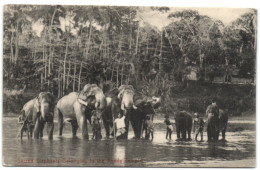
(77, 108)
(216, 123)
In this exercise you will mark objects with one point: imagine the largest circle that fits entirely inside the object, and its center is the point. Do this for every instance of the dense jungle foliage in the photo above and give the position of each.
(110, 46)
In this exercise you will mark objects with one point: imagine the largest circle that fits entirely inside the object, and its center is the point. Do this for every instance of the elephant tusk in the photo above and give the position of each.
(109, 101)
(96, 105)
(134, 107)
(82, 102)
(122, 107)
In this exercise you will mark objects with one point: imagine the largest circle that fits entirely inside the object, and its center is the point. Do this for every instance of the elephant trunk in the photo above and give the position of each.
(100, 101)
(128, 102)
(44, 110)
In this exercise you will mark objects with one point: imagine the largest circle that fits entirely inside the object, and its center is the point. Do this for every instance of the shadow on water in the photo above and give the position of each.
(68, 151)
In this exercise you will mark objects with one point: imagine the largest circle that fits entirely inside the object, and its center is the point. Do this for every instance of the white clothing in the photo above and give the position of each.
(120, 122)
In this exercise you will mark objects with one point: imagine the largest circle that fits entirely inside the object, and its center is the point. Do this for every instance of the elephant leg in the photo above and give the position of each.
(60, 123)
(41, 129)
(74, 127)
(83, 126)
(224, 134)
(170, 134)
(167, 132)
(28, 133)
(126, 127)
(189, 134)
(21, 134)
(183, 132)
(209, 132)
(213, 132)
(107, 128)
(50, 128)
(146, 134)
(217, 130)
(36, 129)
(178, 133)
(138, 129)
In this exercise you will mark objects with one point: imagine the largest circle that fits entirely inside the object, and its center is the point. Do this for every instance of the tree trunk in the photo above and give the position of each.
(64, 68)
(49, 69)
(122, 73)
(12, 50)
(45, 61)
(80, 70)
(59, 95)
(68, 76)
(137, 37)
(130, 32)
(74, 74)
(160, 56)
(16, 45)
(117, 75)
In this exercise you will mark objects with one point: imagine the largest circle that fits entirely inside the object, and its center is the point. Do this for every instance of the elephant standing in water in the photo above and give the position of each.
(77, 108)
(183, 123)
(39, 111)
(134, 106)
(119, 100)
(216, 124)
(145, 106)
(212, 113)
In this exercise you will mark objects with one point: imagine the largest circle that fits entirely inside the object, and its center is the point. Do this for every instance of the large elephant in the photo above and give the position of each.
(145, 106)
(213, 122)
(38, 112)
(77, 108)
(217, 124)
(119, 100)
(183, 123)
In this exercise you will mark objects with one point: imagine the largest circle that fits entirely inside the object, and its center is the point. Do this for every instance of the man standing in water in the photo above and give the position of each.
(198, 125)
(213, 108)
(120, 126)
(169, 128)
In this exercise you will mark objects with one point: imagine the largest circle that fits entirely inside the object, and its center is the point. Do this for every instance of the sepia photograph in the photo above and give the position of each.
(128, 86)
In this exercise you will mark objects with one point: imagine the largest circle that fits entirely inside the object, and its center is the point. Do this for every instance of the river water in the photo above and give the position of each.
(238, 151)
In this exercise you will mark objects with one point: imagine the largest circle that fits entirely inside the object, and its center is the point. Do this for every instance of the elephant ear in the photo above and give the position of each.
(89, 90)
(86, 89)
(113, 93)
(139, 102)
(122, 89)
(37, 104)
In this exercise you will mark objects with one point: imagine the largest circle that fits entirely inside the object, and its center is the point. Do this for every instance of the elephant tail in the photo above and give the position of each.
(59, 115)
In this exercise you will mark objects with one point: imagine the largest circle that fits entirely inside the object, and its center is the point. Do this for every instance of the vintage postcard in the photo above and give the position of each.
(129, 86)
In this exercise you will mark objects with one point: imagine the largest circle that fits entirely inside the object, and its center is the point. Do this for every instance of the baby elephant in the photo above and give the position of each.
(96, 128)
(148, 127)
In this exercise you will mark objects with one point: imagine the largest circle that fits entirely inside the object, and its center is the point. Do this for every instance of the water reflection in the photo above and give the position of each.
(109, 152)
(119, 154)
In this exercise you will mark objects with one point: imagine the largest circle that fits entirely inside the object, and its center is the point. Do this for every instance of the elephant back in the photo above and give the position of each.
(65, 104)
(182, 116)
(30, 110)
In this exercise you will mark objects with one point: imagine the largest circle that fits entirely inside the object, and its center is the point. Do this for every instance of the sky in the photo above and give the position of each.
(159, 19)
(226, 15)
